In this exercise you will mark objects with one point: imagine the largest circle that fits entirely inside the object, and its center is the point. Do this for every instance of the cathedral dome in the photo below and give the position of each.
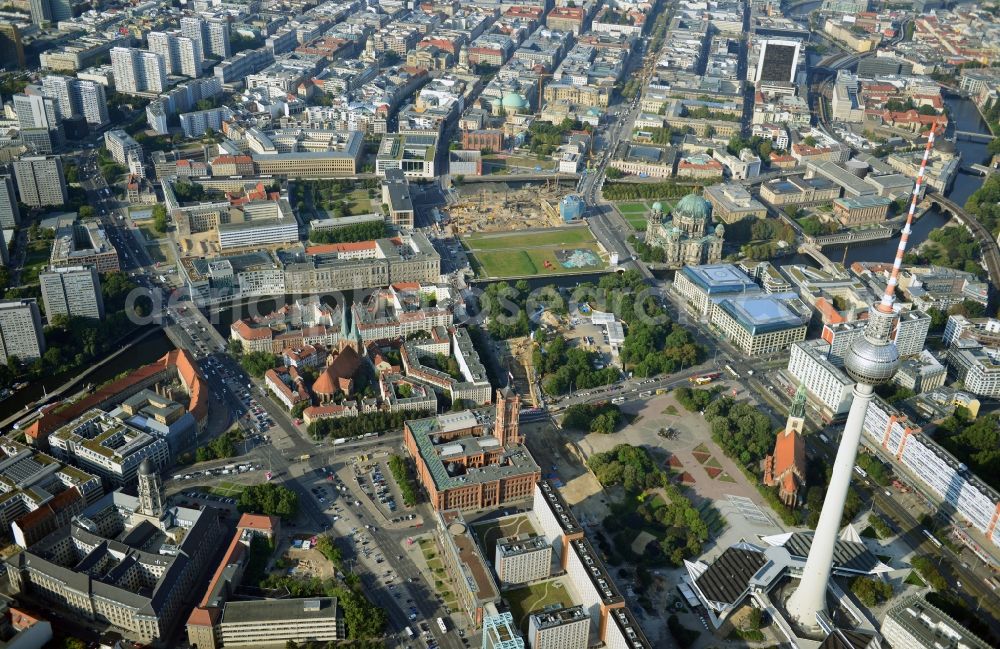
(514, 101)
(693, 206)
(657, 206)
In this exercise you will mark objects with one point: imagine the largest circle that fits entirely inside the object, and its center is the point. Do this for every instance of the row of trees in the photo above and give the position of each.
(653, 343)
(507, 309)
(744, 433)
(350, 233)
(595, 418)
(372, 422)
(545, 137)
(871, 591)
(951, 248)
(815, 226)
(257, 364)
(645, 191)
(761, 146)
(404, 479)
(693, 400)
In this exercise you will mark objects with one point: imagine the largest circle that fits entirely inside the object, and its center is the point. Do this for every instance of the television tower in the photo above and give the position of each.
(871, 360)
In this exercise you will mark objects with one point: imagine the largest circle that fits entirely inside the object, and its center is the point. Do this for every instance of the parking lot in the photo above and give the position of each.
(373, 480)
(252, 417)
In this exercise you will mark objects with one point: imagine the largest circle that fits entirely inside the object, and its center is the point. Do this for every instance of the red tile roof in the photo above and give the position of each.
(179, 360)
(340, 247)
(258, 522)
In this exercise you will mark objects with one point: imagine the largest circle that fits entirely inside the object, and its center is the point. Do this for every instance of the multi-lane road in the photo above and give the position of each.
(294, 458)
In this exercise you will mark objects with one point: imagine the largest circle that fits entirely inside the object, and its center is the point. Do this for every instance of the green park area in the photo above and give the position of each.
(556, 251)
(490, 532)
(526, 600)
(354, 202)
(637, 212)
(226, 490)
(36, 260)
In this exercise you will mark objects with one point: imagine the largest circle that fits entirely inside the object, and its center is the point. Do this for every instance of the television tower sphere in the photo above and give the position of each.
(872, 362)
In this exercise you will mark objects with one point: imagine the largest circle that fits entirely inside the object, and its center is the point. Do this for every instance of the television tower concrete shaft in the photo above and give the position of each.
(871, 360)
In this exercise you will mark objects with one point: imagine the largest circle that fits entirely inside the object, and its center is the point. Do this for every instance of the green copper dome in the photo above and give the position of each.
(694, 206)
(657, 206)
(514, 101)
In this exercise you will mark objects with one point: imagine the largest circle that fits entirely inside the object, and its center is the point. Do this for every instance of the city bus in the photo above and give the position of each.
(442, 625)
(704, 378)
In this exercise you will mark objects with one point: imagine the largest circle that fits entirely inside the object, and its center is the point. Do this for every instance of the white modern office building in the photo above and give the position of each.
(78, 98)
(809, 362)
(10, 213)
(120, 144)
(978, 367)
(211, 35)
(520, 560)
(561, 628)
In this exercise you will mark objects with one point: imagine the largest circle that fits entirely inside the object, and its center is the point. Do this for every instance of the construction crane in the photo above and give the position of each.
(541, 77)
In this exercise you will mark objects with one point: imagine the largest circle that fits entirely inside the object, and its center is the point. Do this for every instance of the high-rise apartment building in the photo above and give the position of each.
(20, 330)
(39, 120)
(181, 55)
(138, 71)
(212, 35)
(74, 291)
(521, 559)
(10, 214)
(120, 145)
(11, 47)
(564, 628)
(40, 181)
(77, 98)
(50, 11)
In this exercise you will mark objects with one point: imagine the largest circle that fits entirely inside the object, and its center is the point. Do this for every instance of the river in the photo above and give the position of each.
(142, 353)
(962, 112)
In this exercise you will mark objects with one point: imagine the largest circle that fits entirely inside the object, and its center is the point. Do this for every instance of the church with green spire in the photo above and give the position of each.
(786, 467)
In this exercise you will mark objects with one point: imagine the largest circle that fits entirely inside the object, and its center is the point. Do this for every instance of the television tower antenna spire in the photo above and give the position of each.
(871, 360)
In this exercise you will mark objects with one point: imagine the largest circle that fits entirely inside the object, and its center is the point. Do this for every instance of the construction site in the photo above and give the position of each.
(495, 207)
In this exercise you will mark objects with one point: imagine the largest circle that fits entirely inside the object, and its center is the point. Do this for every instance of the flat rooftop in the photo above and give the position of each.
(931, 626)
(597, 572)
(761, 314)
(279, 610)
(559, 507)
(717, 279)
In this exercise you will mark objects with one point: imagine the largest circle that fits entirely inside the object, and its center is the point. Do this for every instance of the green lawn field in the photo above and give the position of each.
(490, 532)
(524, 254)
(36, 261)
(534, 239)
(524, 601)
(637, 212)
